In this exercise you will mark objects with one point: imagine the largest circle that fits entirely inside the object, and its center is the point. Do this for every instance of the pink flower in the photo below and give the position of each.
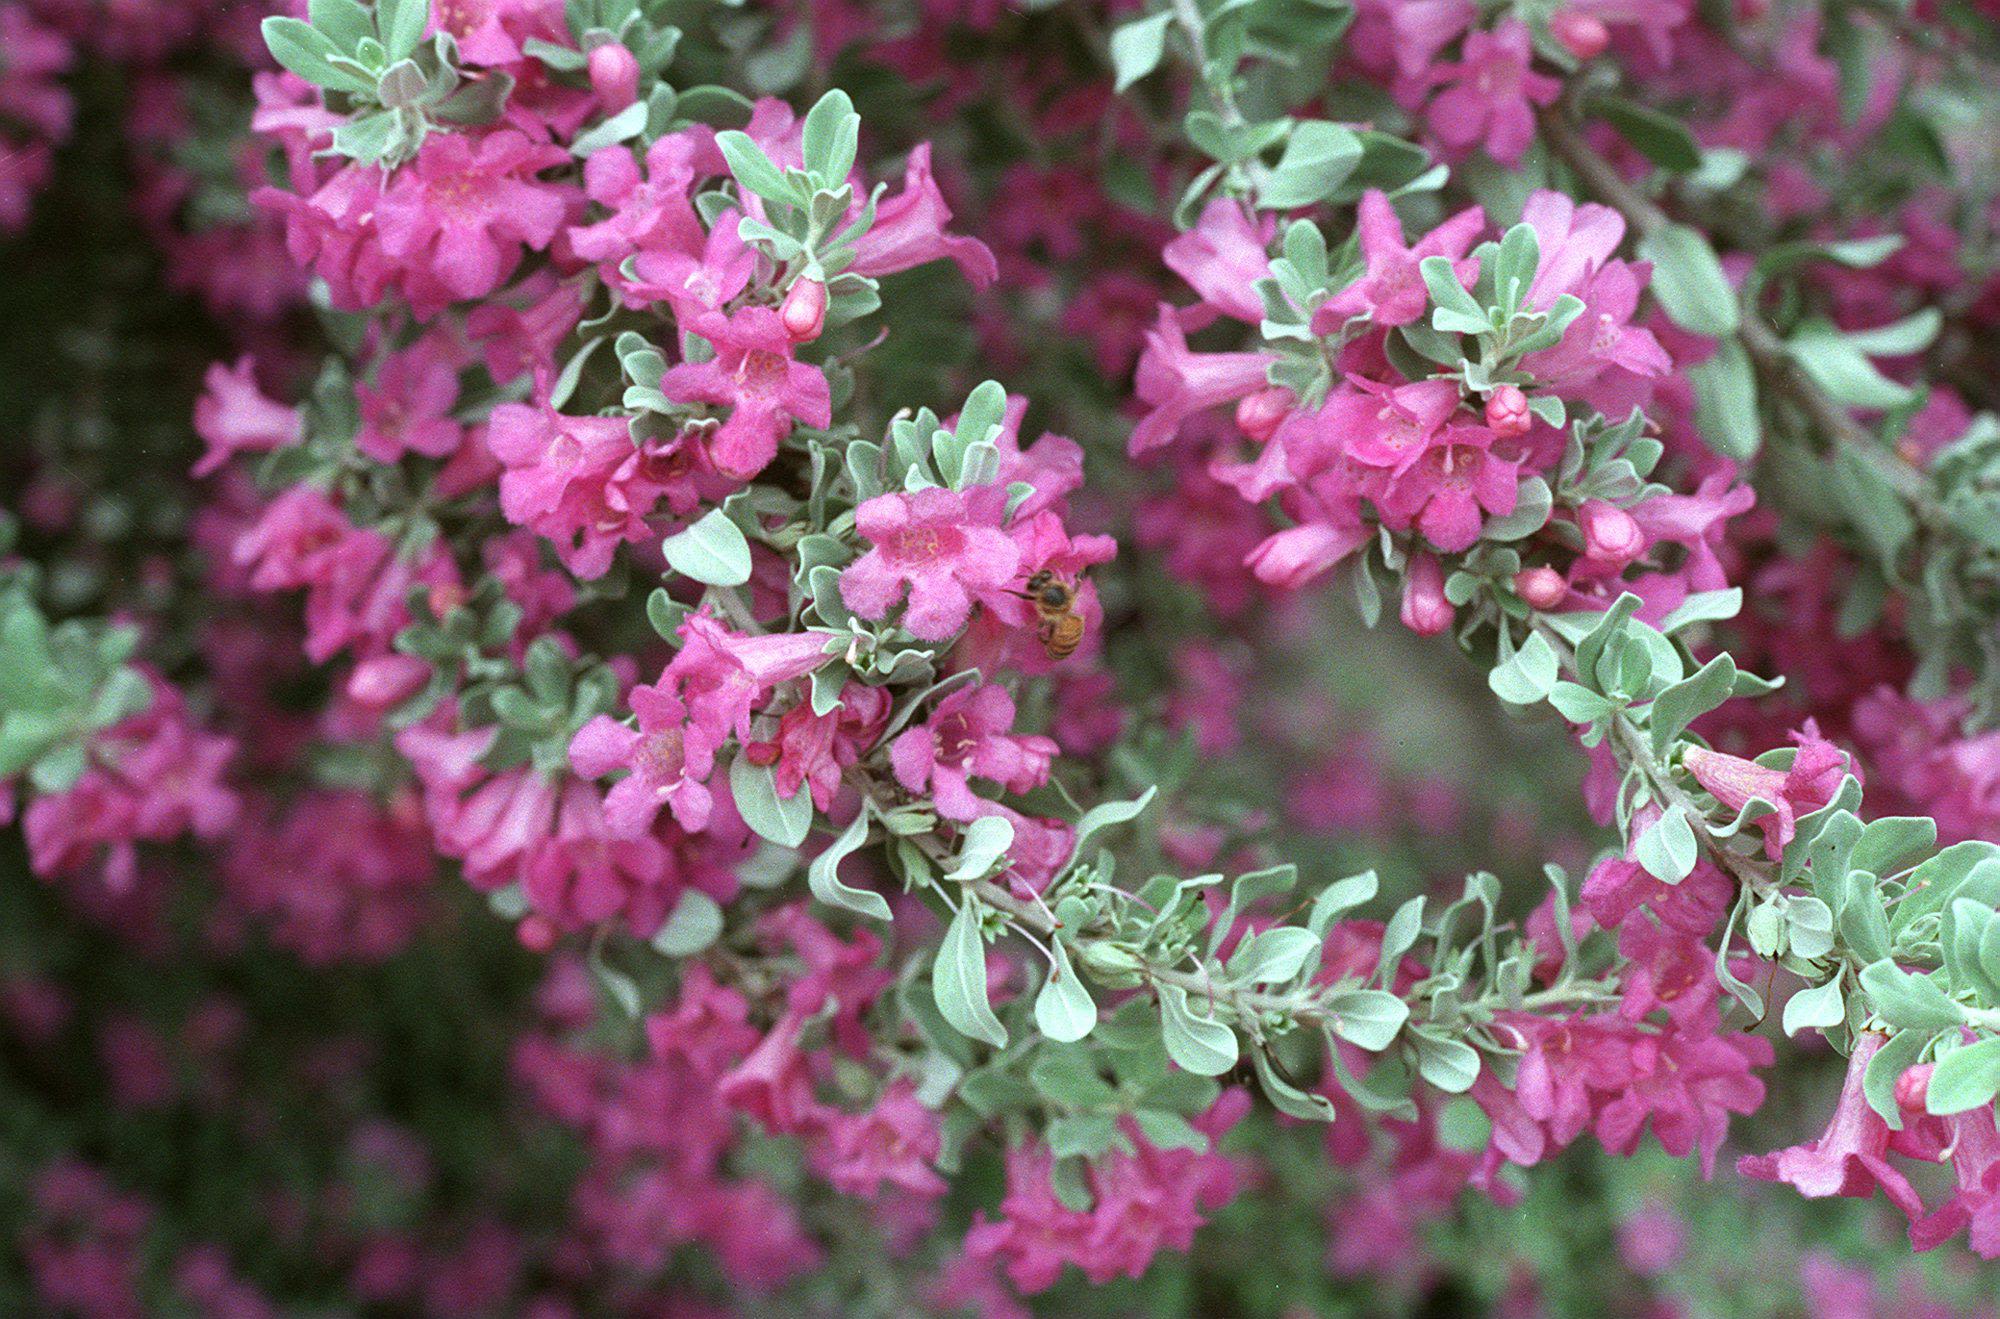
(233, 416)
(967, 737)
(1176, 383)
(1384, 426)
(1975, 1203)
(1456, 478)
(1223, 257)
(1686, 1082)
(909, 230)
(1814, 777)
(945, 545)
(657, 754)
(723, 677)
(895, 1143)
(578, 481)
(459, 215)
(1850, 1157)
(753, 375)
(408, 409)
(1492, 94)
(1392, 291)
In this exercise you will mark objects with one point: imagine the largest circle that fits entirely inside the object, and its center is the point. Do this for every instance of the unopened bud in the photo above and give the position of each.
(1540, 587)
(1609, 533)
(1913, 1088)
(1425, 609)
(614, 76)
(535, 934)
(1582, 35)
(804, 312)
(761, 753)
(1507, 412)
(1260, 414)
(386, 680)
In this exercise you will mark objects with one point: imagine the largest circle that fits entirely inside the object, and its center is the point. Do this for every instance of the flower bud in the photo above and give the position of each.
(1582, 35)
(614, 76)
(1425, 609)
(761, 753)
(1507, 412)
(1609, 533)
(1914, 1087)
(535, 933)
(1540, 587)
(804, 312)
(1259, 414)
(385, 680)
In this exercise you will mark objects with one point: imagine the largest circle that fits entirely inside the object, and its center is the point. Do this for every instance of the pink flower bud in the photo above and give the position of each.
(386, 680)
(1259, 414)
(1609, 533)
(1507, 412)
(804, 312)
(1425, 610)
(1751, 11)
(1582, 35)
(535, 934)
(1913, 1088)
(614, 76)
(1540, 588)
(761, 753)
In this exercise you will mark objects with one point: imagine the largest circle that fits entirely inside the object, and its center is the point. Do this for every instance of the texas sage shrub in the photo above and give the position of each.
(666, 656)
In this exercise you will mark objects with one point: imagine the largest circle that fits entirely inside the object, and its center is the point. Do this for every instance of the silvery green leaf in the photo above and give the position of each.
(696, 923)
(1272, 956)
(1136, 48)
(1367, 1018)
(621, 127)
(958, 979)
(1667, 850)
(1526, 677)
(1287, 1098)
(983, 846)
(1064, 1011)
(401, 23)
(1688, 281)
(782, 820)
(1819, 1008)
(712, 551)
(823, 877)
(1965, 1078)
(1198, 1044)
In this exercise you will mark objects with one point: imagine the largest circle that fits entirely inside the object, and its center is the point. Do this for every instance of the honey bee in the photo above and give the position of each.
(1061, 630)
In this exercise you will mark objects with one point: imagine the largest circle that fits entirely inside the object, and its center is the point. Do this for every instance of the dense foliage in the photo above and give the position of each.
(679, 657)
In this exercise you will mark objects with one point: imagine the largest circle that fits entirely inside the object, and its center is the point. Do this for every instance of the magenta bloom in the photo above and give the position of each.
(1492, 94)
(1975, 1204)
(1455, 479)
(461, 215)
(1383, 426)
(754, 376)
(945, 545)
(723, 676)
(967, 737)
(408, 409)
(577, 481)
(1393, 292)
(909, 230)
(1176, 383)
(1810, 783)
(1850, 1158)
(894, 1143)
(664, 769)
(233, 416)
(1223, 257)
